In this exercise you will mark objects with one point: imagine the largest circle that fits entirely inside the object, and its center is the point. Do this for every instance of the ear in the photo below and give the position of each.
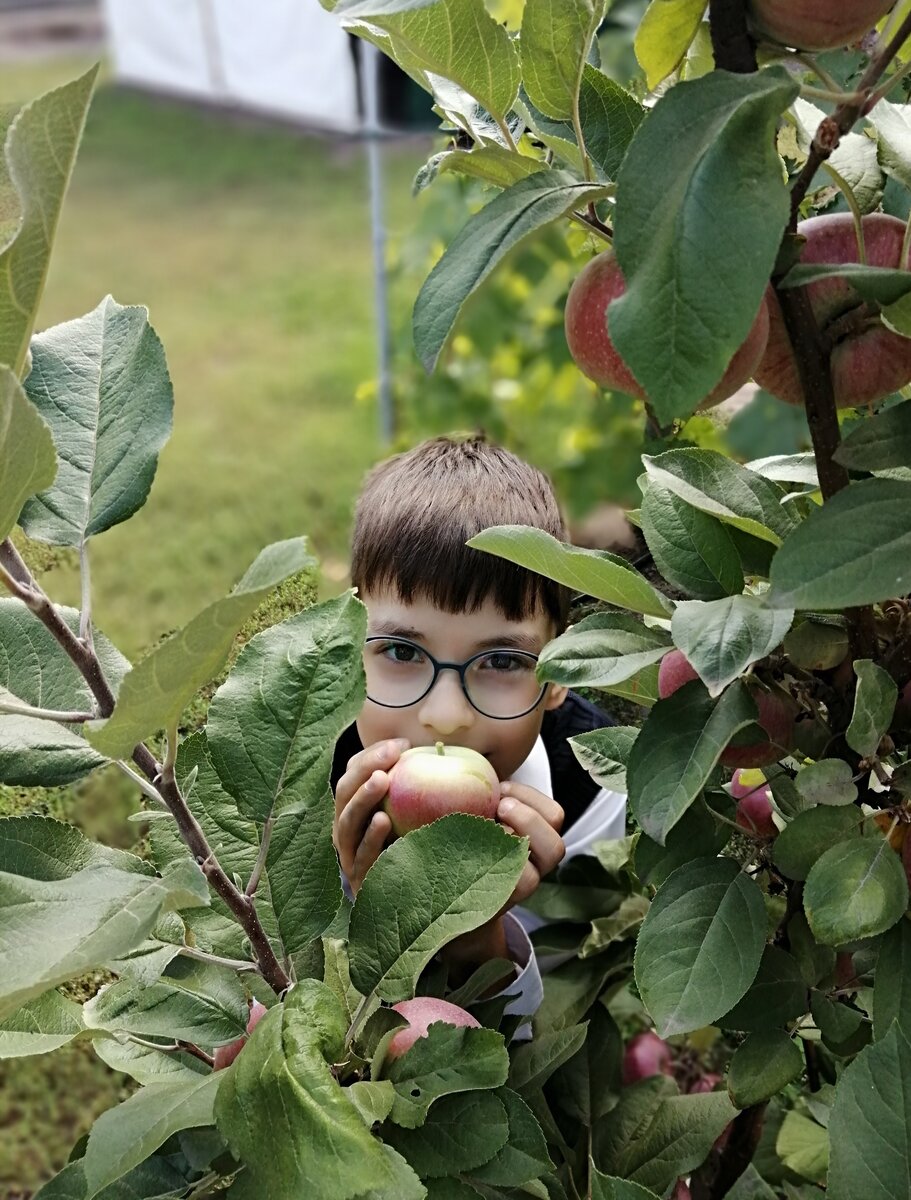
(555, 696)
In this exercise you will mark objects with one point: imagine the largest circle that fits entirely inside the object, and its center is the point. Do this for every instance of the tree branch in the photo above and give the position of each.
(720, 1172)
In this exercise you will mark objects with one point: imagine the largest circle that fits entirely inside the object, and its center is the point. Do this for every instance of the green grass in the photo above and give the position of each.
(251, 247)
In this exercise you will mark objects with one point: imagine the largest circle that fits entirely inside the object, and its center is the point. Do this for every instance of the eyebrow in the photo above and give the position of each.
(507, 641)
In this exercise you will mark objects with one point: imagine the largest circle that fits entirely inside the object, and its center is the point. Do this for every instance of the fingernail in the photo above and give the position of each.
(506, 807)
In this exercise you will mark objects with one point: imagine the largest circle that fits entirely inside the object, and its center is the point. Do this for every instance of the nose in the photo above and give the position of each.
(445, 709)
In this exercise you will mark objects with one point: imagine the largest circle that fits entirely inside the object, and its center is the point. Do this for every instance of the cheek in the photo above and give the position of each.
(376, 724)
(513, 742)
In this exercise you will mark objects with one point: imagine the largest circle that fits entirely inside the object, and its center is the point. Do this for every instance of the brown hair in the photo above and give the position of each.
(417, 510)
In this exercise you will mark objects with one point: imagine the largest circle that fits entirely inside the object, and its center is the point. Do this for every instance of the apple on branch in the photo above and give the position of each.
(225, 1055)
(645, 1055)
(868, 361)
(754, 803)
(428, 782)
(601, 281)
(421, 1013)
(816, 24)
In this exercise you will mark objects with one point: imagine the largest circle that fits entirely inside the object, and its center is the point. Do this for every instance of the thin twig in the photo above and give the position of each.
(216, 960)
(261, 857)
(85, 610)
(12, 709)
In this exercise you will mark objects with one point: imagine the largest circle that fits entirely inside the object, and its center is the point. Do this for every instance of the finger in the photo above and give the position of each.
(546, 848)
(549, 809)
(351, 823)
(527, 885)
(370, 848)
(380, 756)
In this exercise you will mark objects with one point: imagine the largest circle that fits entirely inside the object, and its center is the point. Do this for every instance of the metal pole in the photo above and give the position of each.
(370, 58)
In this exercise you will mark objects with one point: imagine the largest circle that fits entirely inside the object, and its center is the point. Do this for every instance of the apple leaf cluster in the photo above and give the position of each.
(727, 1009)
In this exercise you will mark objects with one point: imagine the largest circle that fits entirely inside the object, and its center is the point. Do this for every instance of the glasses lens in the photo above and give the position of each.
(503, 684)
(398, 673)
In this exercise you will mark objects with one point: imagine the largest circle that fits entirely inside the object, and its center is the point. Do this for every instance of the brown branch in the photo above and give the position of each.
(19, 581)
(192, 1048)
(834, 127)
(732, 46)
(724, 1166)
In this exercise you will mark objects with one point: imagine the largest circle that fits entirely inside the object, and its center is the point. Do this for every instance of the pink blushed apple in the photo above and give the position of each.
(816, 24)
(754, 803)
(428, 782)
(646, 1054)
(420, 1013)
(225, 1055)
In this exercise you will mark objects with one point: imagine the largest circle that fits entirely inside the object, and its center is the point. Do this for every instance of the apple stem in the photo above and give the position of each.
(440, 748)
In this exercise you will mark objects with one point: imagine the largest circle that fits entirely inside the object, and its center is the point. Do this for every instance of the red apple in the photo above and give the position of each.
(777, 713)
(816, 24)
(705, 1083)
(225, 1055)
(646, 1054)
(681, 1191)
(674, 671)
(597, 284)
(430, 781)
(867, 364)
(420, 1013)
(754, 807)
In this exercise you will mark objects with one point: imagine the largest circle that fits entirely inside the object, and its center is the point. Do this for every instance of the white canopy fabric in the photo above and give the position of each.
(286, 57)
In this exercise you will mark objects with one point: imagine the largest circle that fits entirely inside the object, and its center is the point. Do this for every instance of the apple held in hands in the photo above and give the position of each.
(868, 360)
(429, 782)
(816, 24)
(585, 320)
(420, 1013)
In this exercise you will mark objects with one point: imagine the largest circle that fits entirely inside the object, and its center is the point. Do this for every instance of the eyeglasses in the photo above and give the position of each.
(497, 683)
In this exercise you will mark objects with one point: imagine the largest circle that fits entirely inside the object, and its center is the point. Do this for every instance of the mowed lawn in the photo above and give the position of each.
(250, 245)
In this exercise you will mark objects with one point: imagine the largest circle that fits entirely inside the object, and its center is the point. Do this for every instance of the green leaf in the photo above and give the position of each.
(193, 1001)
(43, 1024)
(893, 137)
(28, 460)
(588, 1085)
(41, 145)
(534, 1062)
(146, 1065)
(870, 1155)
(273, 724)
(810, 835)
(681, 741)
(125, 1135)
(721, 638)
(692, 550)
(892, 982)
(879, 442)
(155, 693)
(880, 285)
(844, 1029)
(602, 650)
(609, 117)
(373, 1099)
(553, 48)
(76, 905)
(803, 1147)
(855, 890)
(524, 1156)
(787, 468)
(493, 164)
(428, 887)
(592, 572)
(38, 753)
(461, 1133)
(874, 707)
(609, 1187)
(449, 1059)
(101, 382)
(717, 485)
(618, 927)
(762, 1065)
(831, 562)
(700, 945)
(708, 148)
(653, 1136)
(664, 36)
(696, 835)
(776, 996)
(155, 1179)
(814, 962)
(604, 753)
(457, 39)
(483, 241)
(284, 1114)
(573, 987)
(828, 781)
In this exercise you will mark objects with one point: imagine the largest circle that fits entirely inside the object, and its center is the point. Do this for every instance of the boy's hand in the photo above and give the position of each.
(359, 830)
(526, 811)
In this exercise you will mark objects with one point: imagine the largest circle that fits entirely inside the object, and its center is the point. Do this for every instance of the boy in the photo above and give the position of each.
(452, 640)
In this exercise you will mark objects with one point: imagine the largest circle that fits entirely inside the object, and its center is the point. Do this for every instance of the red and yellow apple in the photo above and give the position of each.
(754, 803)
(597, 284)
(428, 782)
(867, 363)
(420, 1013)
(225, 1055)
(816, 24)
(645, 1055)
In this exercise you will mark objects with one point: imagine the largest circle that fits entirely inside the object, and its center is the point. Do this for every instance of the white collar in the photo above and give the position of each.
(535, 771)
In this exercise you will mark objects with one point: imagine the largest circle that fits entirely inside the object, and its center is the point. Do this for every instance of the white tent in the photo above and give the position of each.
(289, 58)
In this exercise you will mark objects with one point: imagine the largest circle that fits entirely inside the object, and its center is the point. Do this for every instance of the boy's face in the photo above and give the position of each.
(444, 714)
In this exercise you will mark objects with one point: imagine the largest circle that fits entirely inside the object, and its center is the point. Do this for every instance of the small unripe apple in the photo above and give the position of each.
(420, 1013)
(681, 1191)
(816, 24)
(754, 803)
(674, 671)
(868, 362)
(225, 1055)
(646, 1054)
(428, 782)
(585, 319)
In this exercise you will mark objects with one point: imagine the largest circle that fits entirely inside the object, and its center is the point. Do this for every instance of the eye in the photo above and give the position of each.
(502, 661)
(399, 652)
